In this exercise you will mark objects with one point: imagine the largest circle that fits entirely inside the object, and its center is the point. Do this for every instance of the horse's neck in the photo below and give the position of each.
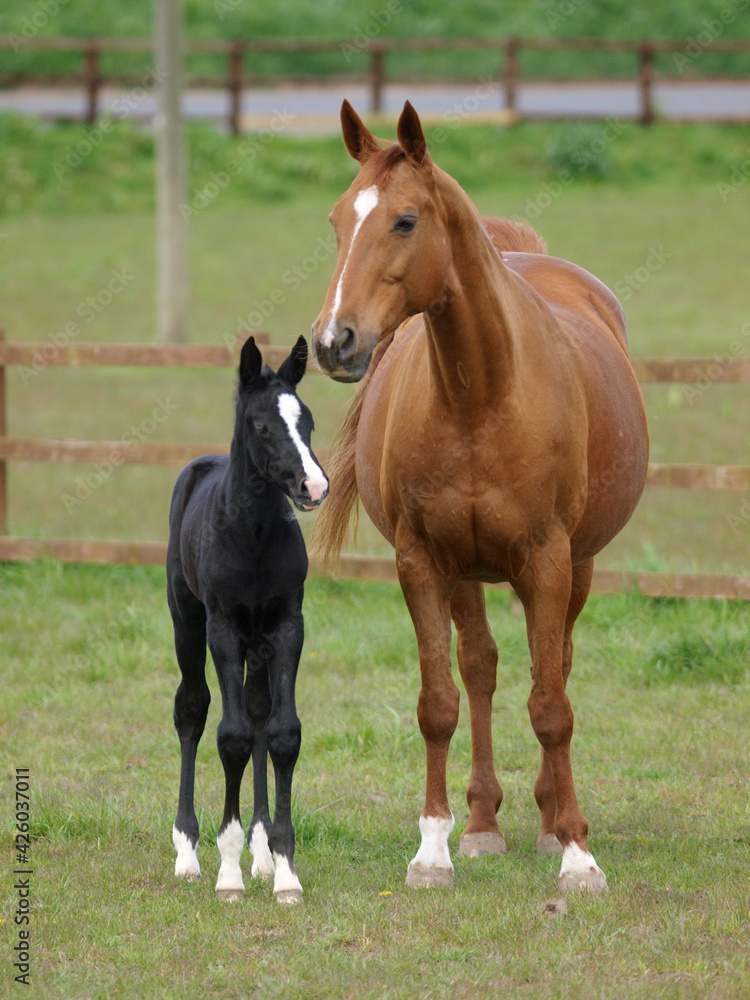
(471, 336)
(242, 483)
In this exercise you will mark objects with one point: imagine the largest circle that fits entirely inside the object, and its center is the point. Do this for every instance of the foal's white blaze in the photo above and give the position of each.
(363, 204)
(285, 881)
(576, 861)
(230, 847)
(315, 481)
(433, 851)
(262, 860)
(186, 865)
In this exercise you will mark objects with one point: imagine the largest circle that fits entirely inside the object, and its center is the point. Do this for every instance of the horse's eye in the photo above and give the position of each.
(261, 430)
(405, 224)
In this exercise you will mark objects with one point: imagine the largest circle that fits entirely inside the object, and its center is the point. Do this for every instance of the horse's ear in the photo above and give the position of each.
(251, 362)
(292, 370)
(359, 141)
(410, 135)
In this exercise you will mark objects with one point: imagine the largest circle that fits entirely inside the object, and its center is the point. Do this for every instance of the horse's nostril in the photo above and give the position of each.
(347, 342)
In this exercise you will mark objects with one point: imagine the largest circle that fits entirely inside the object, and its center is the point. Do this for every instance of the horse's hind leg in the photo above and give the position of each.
(477, 661)
(544, 790)
(258, 699)
(545, 588)
(234, 738)
(190, 710)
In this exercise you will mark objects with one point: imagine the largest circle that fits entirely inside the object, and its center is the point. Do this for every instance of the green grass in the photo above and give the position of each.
(661, 692)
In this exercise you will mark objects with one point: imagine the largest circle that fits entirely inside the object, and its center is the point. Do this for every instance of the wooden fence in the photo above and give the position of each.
(237, 77)
(688, 476)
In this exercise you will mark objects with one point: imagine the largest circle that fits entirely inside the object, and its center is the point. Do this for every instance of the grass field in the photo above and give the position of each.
(661, 692)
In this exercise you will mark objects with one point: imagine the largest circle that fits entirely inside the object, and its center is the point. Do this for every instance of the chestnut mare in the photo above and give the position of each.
(500, 435)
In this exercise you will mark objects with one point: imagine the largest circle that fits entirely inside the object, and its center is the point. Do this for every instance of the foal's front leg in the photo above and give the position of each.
(284, 637)
(234, 738)
(427, 595)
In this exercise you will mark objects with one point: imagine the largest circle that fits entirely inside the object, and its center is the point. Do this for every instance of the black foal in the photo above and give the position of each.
(236, 566)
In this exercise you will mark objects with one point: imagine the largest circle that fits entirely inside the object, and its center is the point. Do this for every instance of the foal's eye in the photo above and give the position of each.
(405, 224)
(261, 430)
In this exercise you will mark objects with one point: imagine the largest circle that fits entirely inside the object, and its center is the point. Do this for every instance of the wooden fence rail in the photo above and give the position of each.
(92, 77)
(688, 371)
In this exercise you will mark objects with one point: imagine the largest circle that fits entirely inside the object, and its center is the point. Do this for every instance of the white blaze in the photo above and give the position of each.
(315, 481)
(363, 204)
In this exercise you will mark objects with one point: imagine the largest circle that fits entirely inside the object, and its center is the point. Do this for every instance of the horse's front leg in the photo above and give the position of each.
(477, 660)
(283, 639)
(234, 738)
(427, 594)
(544, 588)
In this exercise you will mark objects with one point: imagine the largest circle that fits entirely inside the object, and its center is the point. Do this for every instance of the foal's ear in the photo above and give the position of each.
(359, 141)
(292, 370)
(251, 362)
(410, 135)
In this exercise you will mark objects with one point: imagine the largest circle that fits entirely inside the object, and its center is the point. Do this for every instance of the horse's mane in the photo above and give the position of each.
(332, 523)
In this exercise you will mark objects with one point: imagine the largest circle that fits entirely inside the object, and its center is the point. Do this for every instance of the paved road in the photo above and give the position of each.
(316, 108)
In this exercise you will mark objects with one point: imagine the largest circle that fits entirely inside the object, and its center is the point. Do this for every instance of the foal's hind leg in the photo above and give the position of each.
(477, 661)
(234, 738)
(544, 790)
(190, 710)
(545, 588)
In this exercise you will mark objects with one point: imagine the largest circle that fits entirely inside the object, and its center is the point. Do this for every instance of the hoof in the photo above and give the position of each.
(476, 845)
(230, 895)
(428, 876)
(288, 896)
(592, 881)
(547, 843)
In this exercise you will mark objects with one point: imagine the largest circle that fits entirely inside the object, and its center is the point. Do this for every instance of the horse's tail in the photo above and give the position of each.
(332, 523)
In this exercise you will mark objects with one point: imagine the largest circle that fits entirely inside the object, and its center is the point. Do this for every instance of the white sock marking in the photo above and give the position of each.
(290, 411)
(576, 861)
(230, 844)
(262, 860)
(433, 851)
(364, 203)
(285, 880)
(186, 865)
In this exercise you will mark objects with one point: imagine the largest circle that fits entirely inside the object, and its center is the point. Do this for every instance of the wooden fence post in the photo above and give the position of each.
(646, 79)
(511, 73)
(3, 463)
(235, 86)
(91, 81)
(376, 77)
